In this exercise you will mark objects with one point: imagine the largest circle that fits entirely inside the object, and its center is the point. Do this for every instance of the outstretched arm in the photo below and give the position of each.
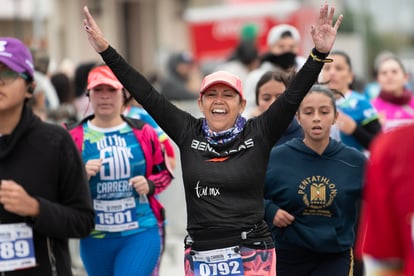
(323, 33)
(282, 111)
(94, 33)
(168, 116)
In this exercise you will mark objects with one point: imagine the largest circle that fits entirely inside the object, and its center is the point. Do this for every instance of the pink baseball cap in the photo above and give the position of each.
(15, 55)
(103, 75)
(222, 77)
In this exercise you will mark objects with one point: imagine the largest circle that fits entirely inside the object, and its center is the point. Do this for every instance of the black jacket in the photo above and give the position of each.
(44, 160)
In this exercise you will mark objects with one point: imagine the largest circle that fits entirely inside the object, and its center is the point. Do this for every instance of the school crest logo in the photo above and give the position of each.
(318, 193)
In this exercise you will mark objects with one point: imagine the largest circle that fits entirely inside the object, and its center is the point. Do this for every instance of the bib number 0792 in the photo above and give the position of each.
(221, 268)
(223, 261)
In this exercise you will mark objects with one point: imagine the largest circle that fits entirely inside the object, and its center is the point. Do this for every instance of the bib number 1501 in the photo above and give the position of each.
(115, 218)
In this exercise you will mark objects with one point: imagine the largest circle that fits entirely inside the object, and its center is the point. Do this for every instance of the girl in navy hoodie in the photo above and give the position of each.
(312, 188)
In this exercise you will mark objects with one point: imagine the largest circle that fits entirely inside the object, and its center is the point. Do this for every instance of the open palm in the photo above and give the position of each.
(323, 33)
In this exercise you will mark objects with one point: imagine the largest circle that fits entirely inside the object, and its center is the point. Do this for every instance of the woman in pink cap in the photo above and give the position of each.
(126, 170)
(224, 156)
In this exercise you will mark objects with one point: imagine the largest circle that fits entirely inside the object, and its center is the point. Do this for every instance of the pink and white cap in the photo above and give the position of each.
(222, 77)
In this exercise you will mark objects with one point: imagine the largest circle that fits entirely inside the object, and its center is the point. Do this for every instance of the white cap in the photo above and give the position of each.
(276, 32)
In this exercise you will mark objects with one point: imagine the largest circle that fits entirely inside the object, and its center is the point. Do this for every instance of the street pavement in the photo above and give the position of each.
(172, 260)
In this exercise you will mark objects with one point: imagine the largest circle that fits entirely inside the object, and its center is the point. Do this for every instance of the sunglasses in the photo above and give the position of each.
(8, 76)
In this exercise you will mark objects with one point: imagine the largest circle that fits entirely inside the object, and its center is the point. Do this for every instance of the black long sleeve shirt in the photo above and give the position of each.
(223, 183)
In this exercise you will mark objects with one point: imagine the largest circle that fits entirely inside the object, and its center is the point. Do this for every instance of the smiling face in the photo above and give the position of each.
(221, 105)
(392, 77)
(317, 114)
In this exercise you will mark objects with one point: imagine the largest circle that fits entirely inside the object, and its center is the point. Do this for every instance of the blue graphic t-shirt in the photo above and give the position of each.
(120, 211)
(361, 110)
(140, 113)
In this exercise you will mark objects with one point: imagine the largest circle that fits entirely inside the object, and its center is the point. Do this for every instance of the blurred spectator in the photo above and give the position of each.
(395, 102)
(245, 57)
(81, 102)
(372, 89)
(155, 79)
(386, 236)
(38, 105)
(243, 60)
(43, 84)
(183, 78)
(66, 112)
(283, 48)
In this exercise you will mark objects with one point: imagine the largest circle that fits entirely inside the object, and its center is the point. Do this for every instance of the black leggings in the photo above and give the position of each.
(307, 263)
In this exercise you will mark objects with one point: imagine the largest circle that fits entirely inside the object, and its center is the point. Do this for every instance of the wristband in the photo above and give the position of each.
(323, 60)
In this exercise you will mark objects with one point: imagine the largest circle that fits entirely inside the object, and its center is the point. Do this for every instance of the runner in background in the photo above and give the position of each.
(126, 169)
(358, 121)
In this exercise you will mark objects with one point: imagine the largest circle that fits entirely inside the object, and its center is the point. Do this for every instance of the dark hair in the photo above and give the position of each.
(277, 75)
(30, 88)
(345, 56)
(81, 77)
(354, 85)
(246, 52)
(286, 34)
(330, 93)
(63, 87)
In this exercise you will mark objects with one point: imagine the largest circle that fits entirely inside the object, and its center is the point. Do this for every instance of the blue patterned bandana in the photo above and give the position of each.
(224, 136)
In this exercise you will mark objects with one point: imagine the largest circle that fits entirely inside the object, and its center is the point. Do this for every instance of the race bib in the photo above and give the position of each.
(16, 247)
(115, 215)
(225, 261)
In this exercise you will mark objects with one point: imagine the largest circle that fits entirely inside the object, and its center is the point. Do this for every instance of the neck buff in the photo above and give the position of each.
(224, 136)
(285, 61)
(403, 99)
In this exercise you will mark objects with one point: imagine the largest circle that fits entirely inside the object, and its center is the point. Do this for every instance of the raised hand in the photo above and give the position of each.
(323, 33)
(95, 35)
